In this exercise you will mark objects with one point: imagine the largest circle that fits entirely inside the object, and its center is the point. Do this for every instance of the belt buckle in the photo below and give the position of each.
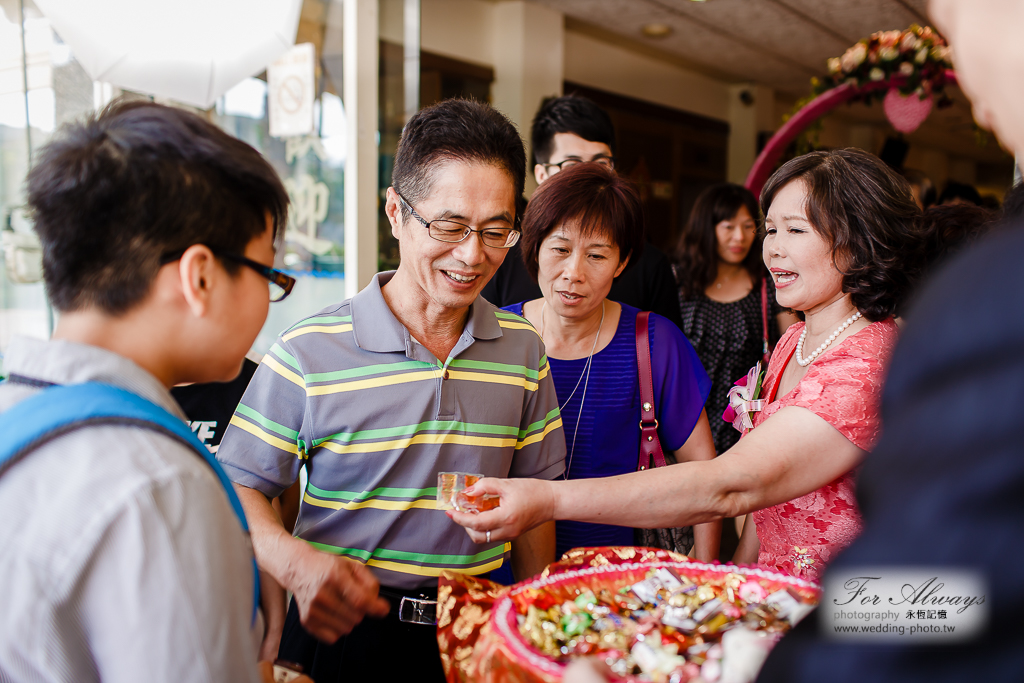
(417, 611)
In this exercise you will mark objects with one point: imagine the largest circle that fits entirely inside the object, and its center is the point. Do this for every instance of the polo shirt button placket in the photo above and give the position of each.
(446, 400)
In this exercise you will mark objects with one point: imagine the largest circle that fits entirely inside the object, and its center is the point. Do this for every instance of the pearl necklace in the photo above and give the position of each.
(801, 361)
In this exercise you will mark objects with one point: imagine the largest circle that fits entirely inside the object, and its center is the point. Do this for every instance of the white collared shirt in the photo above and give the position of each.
(120, 556)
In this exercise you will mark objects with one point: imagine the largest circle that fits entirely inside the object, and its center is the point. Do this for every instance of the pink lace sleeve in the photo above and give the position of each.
(844, 387)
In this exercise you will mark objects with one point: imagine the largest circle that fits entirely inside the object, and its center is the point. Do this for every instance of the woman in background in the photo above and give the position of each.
(728, 302)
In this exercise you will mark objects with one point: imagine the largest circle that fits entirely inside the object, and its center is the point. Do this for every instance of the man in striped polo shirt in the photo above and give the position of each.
(413, 376)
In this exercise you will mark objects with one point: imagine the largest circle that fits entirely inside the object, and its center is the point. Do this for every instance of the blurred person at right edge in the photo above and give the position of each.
(942, 489)
(840, 226)
(727, 300)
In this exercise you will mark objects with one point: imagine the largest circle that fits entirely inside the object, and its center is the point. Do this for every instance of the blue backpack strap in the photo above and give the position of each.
(59, 410)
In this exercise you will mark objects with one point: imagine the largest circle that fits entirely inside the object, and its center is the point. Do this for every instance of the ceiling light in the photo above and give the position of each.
(656, 30)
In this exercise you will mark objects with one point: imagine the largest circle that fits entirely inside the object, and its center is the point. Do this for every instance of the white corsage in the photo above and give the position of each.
(744, 401)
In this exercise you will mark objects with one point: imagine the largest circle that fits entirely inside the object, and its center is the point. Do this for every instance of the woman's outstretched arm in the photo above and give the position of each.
(700, 446)
(789, 455)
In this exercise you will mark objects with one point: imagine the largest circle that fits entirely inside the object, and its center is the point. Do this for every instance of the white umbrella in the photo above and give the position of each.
(191, 51)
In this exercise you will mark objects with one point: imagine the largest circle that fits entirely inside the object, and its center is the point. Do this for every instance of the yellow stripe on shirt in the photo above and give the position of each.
(274, 441)
(326, 329)
(433, 571)
(419, 439)
(508, 324)
(388, 380)
(285, 372)
(539, 436)
(374, 503)
(494, 379)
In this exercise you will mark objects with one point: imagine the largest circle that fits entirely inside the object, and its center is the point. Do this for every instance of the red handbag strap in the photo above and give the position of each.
(764, 319)
(650, 444)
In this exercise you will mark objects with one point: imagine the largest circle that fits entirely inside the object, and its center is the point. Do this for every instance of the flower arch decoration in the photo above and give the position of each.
(906, 70)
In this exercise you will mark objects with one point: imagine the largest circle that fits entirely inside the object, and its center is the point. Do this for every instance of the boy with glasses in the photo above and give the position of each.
(123, 557)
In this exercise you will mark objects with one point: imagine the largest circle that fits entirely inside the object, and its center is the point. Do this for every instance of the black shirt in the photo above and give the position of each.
(209, 407)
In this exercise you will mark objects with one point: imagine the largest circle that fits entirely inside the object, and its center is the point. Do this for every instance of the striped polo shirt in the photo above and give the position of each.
(374, 416)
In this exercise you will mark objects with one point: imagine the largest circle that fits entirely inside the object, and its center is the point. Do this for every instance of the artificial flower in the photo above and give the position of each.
(744, 399)
(854, 57)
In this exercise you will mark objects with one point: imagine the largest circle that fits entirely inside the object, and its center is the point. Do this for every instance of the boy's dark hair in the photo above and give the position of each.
(569, 114)
(697, 250)
(455, 130)
(112, 195)
(867, 215)
(590, 198)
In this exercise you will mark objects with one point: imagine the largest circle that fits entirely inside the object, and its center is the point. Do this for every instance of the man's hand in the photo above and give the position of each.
(524, 504)
(334, 594)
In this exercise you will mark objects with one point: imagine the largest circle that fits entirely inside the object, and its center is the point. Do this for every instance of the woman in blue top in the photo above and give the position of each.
(579, 232)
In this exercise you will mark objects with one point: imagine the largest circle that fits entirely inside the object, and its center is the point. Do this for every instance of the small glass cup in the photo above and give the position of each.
(450, 496)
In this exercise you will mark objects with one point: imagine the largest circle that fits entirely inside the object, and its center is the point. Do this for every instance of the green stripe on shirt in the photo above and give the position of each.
(520, 370)
(384, 492)
(417, 558)
(428, 426)
(366, 370)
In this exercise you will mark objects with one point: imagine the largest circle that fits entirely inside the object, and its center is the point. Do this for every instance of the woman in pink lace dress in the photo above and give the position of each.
(839, 234)
(842, 386)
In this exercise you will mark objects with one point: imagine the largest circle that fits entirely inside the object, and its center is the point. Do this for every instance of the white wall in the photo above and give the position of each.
(461, 29)
(596, 64)
(528, 60)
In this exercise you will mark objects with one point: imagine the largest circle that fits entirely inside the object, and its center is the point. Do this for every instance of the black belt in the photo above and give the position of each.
(414, 606)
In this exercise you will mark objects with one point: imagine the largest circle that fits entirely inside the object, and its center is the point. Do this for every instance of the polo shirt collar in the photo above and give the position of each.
(482, 323)
(376, 328)
(59, 361)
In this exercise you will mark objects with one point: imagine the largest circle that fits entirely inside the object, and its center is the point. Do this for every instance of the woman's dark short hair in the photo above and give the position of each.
(111, 195)
(455, 130)
(866, 213)
(697, 250)
(592, 197)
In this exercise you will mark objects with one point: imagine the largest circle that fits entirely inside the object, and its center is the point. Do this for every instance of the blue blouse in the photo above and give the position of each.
(607, 433)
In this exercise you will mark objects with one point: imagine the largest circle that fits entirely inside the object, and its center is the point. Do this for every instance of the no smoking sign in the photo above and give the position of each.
(291, 91)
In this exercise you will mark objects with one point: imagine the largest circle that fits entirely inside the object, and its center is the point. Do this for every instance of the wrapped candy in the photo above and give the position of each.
(655, 618)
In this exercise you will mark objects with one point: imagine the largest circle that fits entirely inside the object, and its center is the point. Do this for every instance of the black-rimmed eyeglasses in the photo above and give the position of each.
(569, 163)
(280, 284)
(452, 231)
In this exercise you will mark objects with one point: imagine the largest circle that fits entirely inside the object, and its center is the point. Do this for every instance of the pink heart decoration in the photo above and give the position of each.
(906, 113)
